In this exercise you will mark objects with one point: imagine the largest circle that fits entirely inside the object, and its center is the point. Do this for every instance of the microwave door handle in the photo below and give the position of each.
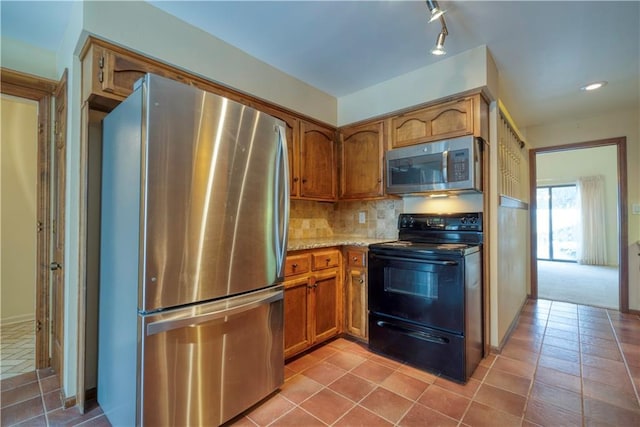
(445, 163)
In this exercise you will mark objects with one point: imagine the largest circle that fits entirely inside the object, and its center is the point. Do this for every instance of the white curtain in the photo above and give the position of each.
(592, 247)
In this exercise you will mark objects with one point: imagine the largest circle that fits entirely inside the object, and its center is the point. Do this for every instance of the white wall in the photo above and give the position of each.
(26, 58)
(144, 28)
(611, 125)
(468, 70)
(565, 167)
(18, 208)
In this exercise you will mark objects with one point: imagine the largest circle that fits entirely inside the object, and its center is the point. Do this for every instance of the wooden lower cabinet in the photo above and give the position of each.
(297, 335)
(355, 286)
(312, 299)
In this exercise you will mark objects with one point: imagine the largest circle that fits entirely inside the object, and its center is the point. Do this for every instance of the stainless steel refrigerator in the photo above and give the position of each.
(194, 223)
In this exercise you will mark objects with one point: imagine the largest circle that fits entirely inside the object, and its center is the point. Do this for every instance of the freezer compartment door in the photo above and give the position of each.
(206, 364)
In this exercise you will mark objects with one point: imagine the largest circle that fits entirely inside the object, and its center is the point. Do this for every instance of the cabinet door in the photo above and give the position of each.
(447, 120)
(453, 119)
(317, 162)
(326, 316)
(356, 306)
(119, 73)
(293, 148)
(361, 161)
(297, 331)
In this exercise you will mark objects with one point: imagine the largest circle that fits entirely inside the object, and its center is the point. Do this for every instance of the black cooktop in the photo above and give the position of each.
(426, 247)
(457, 233)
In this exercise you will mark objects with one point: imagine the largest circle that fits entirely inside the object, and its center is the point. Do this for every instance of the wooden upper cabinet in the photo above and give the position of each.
(317, 162)
(108, 74)
(446, 120)
(293, 148)
(361, 161)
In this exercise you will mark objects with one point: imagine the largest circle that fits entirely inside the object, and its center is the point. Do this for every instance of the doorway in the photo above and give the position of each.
(19, 153)
(42, 91)
(562, 264)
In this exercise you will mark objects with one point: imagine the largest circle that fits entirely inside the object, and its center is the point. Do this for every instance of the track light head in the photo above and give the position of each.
(439, 49)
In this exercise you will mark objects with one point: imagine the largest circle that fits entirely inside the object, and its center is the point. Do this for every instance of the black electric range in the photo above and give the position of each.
(425, 293)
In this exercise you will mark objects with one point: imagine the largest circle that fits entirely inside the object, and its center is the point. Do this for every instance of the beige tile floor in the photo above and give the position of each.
(563, 365)
(17, 349)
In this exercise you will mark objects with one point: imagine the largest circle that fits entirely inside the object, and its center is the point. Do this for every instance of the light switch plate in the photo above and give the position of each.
(362, 217)
(635, 208)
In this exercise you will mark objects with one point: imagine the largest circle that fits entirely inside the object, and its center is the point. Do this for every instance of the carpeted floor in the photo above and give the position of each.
(580, 284)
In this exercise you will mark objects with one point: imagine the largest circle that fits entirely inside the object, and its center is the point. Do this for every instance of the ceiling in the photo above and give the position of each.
(544, 51)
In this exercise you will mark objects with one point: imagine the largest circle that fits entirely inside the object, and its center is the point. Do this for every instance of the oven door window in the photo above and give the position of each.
(429, 292)
(423, 284)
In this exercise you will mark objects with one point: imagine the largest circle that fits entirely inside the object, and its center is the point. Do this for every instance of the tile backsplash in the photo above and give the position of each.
(309, 219)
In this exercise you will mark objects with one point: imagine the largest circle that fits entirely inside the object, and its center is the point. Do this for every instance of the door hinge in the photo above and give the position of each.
(38, 326)
(39, 226)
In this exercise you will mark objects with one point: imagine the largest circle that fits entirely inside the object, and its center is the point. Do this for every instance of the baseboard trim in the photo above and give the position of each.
(510, 329)
(67, 402)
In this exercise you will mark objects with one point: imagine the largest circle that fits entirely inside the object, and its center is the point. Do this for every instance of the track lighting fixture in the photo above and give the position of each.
(437, 13)
(435, 10)
(439, 49)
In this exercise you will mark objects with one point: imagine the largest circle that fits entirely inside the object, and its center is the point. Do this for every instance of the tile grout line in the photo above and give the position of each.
(580, 358)
(535, 370)
(44, 406)
(466, 410)
(321, 360)
(624, 359)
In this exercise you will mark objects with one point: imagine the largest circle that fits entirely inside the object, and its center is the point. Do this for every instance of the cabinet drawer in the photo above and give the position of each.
(296, 264)
(356, 258)
(327, 259)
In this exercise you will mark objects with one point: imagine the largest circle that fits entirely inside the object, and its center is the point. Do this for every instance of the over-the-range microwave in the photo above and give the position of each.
(453, 165)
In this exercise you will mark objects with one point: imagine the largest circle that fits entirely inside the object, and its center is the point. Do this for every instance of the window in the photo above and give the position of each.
(557, 219)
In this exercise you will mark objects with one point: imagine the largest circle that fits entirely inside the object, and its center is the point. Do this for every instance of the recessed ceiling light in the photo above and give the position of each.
(593, 86)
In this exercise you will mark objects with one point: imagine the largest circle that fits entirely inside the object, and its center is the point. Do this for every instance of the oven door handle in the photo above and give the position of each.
(421, 260)
(413, 333)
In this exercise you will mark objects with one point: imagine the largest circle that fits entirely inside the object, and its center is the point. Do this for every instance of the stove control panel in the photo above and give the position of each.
(454, 222)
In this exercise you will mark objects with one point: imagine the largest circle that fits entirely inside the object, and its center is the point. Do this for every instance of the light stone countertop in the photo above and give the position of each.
(326, 242)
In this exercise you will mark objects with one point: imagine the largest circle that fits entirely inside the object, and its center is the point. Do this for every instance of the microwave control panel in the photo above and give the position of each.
(459, 165)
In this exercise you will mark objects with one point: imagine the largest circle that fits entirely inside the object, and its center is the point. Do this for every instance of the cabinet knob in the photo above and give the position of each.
(304, 180)
(294, 266)
(355, 258)
(328, 261)
(296, 179)
(379, 180)
(361, 281)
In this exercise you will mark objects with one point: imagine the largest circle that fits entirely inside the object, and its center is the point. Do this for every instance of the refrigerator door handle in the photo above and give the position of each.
(281, 214)
(188, 321)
